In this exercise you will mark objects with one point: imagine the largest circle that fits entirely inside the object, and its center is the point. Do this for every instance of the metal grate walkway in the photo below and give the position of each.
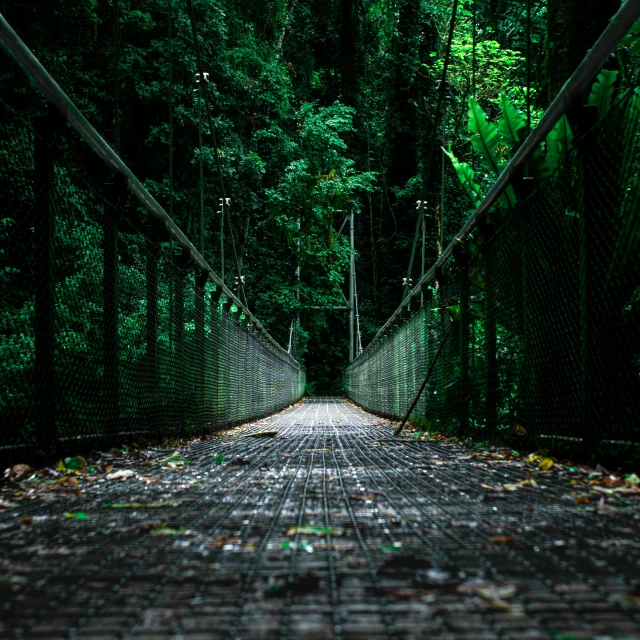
(330, 529)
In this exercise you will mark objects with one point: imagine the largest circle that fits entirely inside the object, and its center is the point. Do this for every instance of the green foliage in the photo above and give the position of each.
(511, 124)
(466, 176)
(601, 95)
(486, 142)
(558, 143)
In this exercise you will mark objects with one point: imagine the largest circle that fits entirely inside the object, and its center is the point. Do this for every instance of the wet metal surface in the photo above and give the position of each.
(330, 529)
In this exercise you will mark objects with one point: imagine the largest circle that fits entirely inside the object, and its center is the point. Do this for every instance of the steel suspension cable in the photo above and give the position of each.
(473, 70)
(528, 67)
(215, 149)
(170, 111)
(427, 173)
(116, 79)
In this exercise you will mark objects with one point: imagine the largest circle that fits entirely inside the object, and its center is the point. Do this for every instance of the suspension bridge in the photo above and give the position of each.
(225, 505)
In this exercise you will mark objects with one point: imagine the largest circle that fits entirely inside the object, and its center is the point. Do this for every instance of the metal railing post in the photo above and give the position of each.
(151, 395)
(464, 350)
(201, 279)
(44, 270)
(114, 191)
(491, 345)
(352, 271)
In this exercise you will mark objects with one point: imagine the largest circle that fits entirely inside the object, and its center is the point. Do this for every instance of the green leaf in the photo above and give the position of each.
(558, 143)
(602, 92)
(539, 167)
(465, 175)
(313, 530)
(173, 460)
(80, 515)
(219, 459)
(511, 124)
(486, 140)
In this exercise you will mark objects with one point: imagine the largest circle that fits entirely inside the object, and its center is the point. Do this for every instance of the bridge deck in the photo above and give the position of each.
(330, 529)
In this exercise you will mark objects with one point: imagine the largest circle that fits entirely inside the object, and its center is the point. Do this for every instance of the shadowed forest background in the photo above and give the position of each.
(317, 109)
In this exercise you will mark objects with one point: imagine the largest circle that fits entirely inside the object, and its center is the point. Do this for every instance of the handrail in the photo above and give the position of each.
(590, 65)
(33, 68)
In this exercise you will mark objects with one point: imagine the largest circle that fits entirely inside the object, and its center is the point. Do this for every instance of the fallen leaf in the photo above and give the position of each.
(226, 542)
(163, 530)
(80, 515)
(262, 434)
(219, 459)
(497, 604)
(518, 428)
(18, 471)
(367, 496)
(545, 464)
(304, 546)
(502, 539)
(632, 479)
(148, 479)
(67, 480)
(146, 505)
(122, 474)
(582, 500)
(603, 507)
(313, 530)
(239, 462)
(174, 460)
(74, 464)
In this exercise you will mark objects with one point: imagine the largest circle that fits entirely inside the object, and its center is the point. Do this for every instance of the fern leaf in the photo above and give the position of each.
(511, 124)
(602, 92)
(558, 143)
(487, 139)
(465, 175)
(538, 167)
(630, 125)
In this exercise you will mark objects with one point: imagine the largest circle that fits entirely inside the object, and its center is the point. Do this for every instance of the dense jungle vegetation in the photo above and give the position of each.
(318, 108)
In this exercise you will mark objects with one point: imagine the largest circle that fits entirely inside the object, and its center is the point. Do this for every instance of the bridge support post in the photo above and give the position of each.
(46, 128)
(114, 192)
(151, 397)
(214, 366)
(179, 369)
(464, 350)
(199, 369)
(352, 277)
(491, 345)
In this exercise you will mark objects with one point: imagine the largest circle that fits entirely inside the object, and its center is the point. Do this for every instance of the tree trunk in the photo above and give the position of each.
(573, 26)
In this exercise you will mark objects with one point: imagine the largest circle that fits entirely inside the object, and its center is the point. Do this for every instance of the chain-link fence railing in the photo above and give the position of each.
(539, 315)
(111, 324)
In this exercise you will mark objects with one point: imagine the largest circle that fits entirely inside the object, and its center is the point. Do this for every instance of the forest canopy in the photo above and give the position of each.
(317, 109)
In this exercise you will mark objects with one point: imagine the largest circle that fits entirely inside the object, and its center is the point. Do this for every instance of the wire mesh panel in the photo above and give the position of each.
(108, 328)
(540, 323)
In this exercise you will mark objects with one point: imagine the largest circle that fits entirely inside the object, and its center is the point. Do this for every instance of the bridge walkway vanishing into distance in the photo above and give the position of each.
(331, 528)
